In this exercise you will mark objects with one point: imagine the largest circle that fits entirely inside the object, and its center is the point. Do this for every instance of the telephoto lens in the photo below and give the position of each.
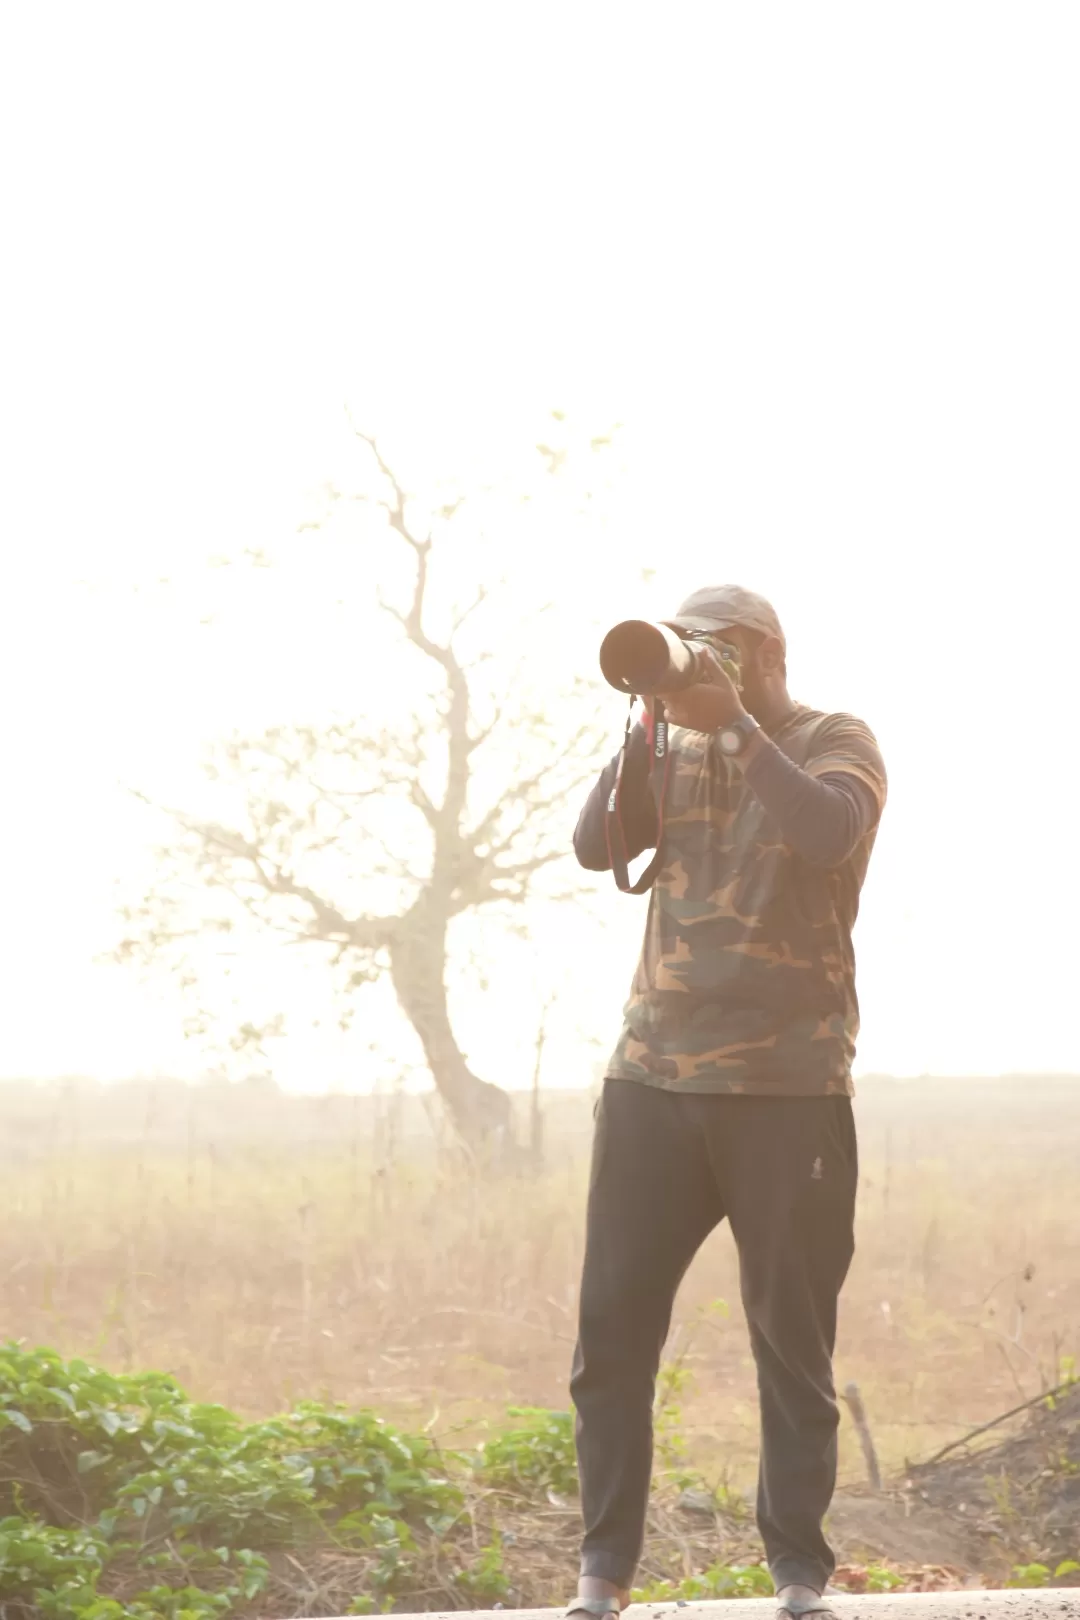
(650, 660)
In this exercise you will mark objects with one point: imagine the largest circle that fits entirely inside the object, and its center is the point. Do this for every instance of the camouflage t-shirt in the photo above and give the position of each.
(746, 981)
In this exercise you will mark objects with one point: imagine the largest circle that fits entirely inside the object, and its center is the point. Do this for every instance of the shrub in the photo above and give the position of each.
(535, 1456)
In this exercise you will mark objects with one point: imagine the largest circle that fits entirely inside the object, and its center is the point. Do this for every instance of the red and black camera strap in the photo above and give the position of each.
(659, 765)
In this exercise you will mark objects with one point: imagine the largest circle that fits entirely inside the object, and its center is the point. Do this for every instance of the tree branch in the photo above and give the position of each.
(522, 872)
(465, 614)
(479, 738)
(578, 761)
(328, 922)
(395, 509)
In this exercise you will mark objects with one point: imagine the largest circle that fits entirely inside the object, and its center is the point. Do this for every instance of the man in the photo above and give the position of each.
(729, 1090)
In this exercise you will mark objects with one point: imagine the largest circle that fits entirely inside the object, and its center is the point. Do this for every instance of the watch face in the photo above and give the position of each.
(730, 742)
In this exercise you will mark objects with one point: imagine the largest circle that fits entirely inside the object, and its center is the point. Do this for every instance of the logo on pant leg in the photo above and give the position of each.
(816, 1172)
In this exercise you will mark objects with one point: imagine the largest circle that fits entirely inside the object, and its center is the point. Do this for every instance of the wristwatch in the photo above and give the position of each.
(734, 739)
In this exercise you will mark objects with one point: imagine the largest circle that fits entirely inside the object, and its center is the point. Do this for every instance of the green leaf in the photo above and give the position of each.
(1069, 1567)
(1029, 1575)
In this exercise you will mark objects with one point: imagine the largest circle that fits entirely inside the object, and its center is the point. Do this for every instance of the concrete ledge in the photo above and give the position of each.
(1040, 1605)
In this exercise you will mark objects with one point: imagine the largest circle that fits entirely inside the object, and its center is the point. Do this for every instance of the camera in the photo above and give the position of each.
(652, 660)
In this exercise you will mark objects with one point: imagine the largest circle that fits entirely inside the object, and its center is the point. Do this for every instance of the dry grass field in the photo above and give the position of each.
(264, 1249)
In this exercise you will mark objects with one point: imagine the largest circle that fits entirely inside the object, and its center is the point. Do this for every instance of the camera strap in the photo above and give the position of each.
(658, 776)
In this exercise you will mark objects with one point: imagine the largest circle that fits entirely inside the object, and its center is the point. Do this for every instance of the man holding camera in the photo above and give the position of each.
(729, 1091)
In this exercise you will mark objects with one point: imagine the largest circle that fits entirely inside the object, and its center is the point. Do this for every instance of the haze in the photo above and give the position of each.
(820, 263)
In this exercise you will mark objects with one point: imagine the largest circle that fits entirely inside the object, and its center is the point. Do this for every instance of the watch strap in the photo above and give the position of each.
(743, 728)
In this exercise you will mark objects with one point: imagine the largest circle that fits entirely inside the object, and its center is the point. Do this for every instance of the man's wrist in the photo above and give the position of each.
(755, 747)
(739, 737)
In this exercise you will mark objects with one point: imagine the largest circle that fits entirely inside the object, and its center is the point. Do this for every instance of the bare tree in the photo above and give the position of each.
(364, 843)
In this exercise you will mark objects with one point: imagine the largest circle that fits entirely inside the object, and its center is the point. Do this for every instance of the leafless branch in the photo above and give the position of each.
(327, 921)
(462, 617)
(395, 509)
(954, 1445)
(522, 871)
(479, 738)
(575, 766)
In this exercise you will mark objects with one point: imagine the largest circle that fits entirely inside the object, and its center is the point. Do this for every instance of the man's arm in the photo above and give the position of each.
(637, 808)
(826, 809)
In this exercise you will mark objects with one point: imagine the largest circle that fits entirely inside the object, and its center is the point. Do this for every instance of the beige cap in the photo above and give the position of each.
(719, 607)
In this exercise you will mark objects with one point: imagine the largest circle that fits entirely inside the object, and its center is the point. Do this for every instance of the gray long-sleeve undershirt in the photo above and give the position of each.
(821, 818)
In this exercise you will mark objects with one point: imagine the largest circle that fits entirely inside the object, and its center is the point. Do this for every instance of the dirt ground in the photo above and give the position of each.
(1011, 1497)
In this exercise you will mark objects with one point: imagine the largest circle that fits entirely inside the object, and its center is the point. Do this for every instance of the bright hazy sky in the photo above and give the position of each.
(821, 261)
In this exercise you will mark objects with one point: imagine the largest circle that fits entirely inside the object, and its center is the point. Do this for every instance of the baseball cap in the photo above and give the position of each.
(718, 607)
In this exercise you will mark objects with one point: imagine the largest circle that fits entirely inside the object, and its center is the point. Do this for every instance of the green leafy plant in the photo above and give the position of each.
(719, 1581)
(392, 1543)
(48, 1570)
(165, 1603)
(880, 1579)
(673, 1382)
(484, 1580)
(357, 1463)
(1027, 1575)
(1034, 1575)
(536, 1455)
(188, 1494)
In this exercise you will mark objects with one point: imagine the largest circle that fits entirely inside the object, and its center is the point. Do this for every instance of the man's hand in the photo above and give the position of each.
(712, 703)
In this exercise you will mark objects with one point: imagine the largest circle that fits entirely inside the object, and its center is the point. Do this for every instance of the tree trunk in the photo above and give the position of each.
(479, 1110)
